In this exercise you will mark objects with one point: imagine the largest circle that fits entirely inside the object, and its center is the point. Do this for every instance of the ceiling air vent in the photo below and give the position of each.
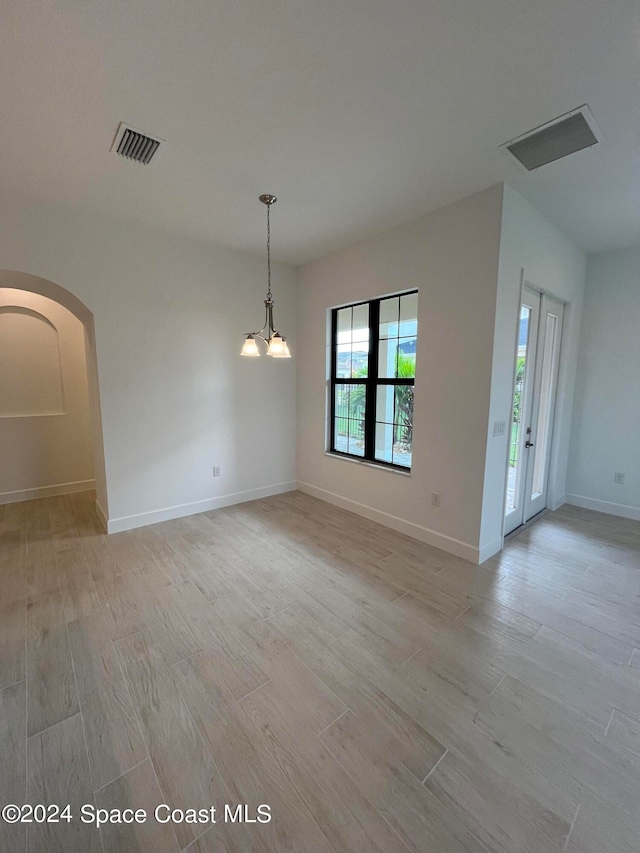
(137, 146)
(556, 139)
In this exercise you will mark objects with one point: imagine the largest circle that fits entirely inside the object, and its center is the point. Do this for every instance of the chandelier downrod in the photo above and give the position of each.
(268, 200)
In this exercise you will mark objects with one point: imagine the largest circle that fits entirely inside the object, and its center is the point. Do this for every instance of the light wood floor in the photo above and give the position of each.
(376, 693)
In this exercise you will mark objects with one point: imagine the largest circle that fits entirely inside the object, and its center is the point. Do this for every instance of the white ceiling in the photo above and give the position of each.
(357, 114)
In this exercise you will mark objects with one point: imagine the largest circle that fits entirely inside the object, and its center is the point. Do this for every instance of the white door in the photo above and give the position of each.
(537, 363)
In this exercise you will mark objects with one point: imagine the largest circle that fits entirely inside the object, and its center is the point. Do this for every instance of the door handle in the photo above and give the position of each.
(528, 443)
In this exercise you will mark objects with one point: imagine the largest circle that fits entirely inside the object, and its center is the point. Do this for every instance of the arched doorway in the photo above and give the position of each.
(31, 284)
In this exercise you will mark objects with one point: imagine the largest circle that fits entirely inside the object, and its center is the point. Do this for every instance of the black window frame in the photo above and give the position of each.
(371, 381)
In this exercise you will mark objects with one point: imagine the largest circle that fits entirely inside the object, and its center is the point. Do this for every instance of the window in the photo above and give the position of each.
(373, 346)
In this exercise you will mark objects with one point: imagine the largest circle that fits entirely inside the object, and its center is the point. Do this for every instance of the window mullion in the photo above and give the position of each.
(370, 411)
(332, 384)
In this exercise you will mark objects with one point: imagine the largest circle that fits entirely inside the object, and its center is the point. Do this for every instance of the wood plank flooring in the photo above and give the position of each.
(377, 693)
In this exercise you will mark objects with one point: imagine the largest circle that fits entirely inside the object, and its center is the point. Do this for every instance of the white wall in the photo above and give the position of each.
(45, 420)
(451, 258)
(607, 407)
(176, 397)
(551, 263)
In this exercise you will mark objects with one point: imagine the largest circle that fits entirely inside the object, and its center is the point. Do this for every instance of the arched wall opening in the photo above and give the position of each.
(43, 367)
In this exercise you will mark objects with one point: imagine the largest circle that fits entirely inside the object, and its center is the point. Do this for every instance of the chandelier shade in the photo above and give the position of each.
(250, 347)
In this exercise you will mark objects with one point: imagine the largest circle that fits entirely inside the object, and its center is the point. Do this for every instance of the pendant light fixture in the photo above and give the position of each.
(275, 341)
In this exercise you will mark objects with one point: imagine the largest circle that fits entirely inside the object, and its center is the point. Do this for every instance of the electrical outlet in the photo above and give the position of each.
(435, 498)
(618, 478)
(216, 470)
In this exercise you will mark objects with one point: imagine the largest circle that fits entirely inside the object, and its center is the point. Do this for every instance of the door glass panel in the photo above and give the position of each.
(515, 466)
(543, 427)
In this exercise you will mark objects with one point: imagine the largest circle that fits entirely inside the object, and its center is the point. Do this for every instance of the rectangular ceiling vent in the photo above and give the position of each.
(565, 135)
(137, 146)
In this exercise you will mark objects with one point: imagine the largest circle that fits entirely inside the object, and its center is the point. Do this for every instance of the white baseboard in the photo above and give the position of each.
(142, 519)
(608, 507)
(416, 531)
(489, 550)
(46, 491)
(102, 515)
(556, 503)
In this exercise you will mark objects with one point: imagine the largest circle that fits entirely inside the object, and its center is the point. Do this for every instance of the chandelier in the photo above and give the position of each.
(276, 342)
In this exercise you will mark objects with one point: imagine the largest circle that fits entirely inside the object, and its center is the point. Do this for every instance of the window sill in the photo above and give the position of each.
(368, 464)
